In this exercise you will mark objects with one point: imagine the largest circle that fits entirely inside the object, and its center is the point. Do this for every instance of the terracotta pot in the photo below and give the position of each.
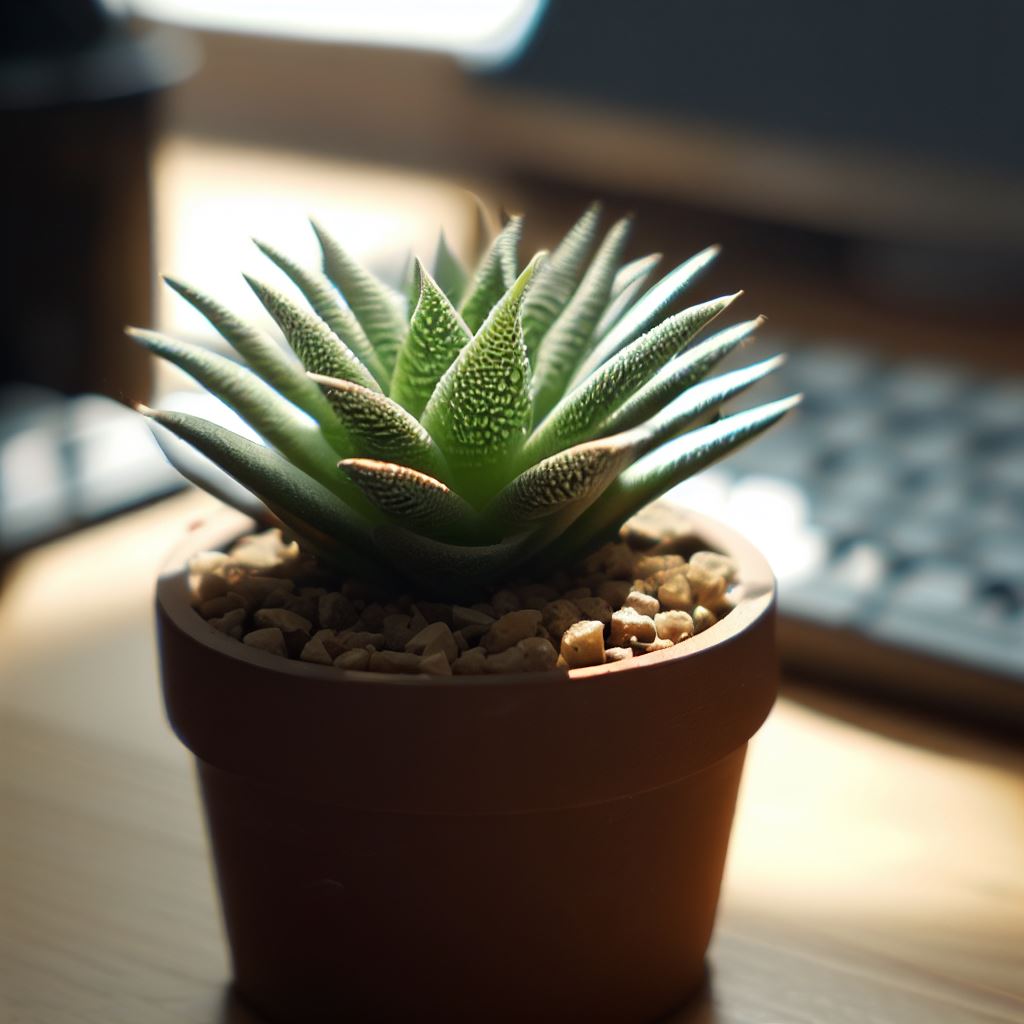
(517, 848)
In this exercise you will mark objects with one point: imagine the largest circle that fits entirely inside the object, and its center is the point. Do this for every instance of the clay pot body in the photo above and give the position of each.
(469, 848)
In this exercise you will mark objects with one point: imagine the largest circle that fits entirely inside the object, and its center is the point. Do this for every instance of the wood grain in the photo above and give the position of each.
(872, 877)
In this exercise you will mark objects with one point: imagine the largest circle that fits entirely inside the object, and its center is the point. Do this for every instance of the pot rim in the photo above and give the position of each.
(756, 599)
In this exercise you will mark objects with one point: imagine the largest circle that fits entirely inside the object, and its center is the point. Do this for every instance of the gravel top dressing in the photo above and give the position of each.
(622, 601)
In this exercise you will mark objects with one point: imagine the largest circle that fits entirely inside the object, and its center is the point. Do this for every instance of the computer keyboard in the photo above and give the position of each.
(891, 507)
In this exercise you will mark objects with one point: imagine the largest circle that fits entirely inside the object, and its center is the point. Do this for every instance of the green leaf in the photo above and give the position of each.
(271, 416)
(371, 300)
(380, 428)
(449, 273)
(564, 484)
(452, 570)
(319, 349)
(323, 297)
(479, 413)
(489, 280)
(569, 335)
(580, 413)
(411, 498)
(681, 373)
(646, 311)
(664, 468)
(436, 336)
(628, 284)
(307, 507)
(702, 400)
(268, 360)
(558, 278)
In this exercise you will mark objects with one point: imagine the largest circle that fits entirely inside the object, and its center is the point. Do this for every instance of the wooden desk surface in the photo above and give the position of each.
(876, 873)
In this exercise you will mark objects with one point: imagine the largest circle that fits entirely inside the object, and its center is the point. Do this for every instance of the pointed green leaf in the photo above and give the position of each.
(479, 413)
(437, 334)
(271, 416)
(569, 335)
(319, 349)
(323, 297)
(410, 498)
(558, 278)
(627, 287)
(304, 504)
(488, 284)
(268, 360)
(681, 373)
(564, 483)
(372, 301)
(703, 400)
(449, 273)
(410, 285)
(380, 428)
(664, 468)
(646, 311)
(579, 414)
(457, 571)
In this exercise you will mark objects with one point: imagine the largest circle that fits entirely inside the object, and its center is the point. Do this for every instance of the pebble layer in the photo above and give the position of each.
(619, 603)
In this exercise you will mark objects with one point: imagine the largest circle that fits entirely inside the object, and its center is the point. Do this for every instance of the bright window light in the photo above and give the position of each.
(490, 32)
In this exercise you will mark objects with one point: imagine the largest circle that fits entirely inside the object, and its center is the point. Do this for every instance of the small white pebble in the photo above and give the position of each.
(629, 625)
(315, 652)
(703, 618)
(504, 601)
(645, 604)
(583, 644)
(286, 621)
(207, 561)
(435, 637)
(505, 662)
(539, 655)
(614, 592)
(511, 628)
(463, 616)
(707, 587)
(674, 625)
(435, 664)
(357, 659)
(232, 623)
(618, 653)
(270, 639)
(595, 608)
(471, 663)
(715, 563)
(675, 594)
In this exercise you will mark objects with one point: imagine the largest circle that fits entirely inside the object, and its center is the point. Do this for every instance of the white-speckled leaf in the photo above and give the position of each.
(479, 413)
(565, 482)
(488, 284)
(323, 297)
(437, 334)
(568, 337)
(319, 349)
(271, 416)
(664, 468)
(380, 428)
(410, 498)
(678, 375)
(580, 412)
(309, 508)
(267, 359)
(645, 312)
(558, 278)
(370, 299)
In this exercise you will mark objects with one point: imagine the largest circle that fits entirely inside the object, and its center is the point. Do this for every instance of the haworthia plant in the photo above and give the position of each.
(495, 417)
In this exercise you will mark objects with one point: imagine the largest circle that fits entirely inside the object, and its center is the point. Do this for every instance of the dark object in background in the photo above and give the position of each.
(77, 105)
